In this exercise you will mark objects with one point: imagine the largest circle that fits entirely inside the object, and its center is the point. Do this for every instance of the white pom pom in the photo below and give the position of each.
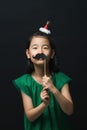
(45, 30)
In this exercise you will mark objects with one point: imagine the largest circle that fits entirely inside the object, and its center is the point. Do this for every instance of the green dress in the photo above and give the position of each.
(53, 118)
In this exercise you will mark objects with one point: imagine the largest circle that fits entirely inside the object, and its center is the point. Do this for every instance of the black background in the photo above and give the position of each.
(18, 19)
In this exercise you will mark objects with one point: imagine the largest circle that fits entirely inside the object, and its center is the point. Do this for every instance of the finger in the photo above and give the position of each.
(43, 85)
(47, 97)
(45, 88)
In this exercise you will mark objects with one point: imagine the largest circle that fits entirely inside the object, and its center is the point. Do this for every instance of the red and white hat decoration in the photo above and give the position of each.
(45, 28)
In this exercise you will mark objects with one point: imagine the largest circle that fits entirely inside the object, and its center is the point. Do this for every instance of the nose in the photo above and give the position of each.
(40, 50)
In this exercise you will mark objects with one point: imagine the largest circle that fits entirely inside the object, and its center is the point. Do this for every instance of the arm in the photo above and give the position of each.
(63, 98)
(31, 112)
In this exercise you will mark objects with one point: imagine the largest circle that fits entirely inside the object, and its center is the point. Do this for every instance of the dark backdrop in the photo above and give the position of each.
(18, 19)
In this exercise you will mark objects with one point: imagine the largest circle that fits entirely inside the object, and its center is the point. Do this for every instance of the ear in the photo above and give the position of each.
(27, 53)
(52, 54)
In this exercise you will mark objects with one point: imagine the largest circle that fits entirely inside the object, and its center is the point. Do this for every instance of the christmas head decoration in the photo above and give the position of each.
(45, 29)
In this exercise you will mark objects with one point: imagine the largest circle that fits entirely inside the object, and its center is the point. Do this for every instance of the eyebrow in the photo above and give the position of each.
(37, 45)
(34, 45)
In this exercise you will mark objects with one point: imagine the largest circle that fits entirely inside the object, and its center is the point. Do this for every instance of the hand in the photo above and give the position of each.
(45, 96)
(47, 83)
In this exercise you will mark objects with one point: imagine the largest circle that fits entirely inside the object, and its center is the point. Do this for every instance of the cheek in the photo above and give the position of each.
(49, 54)
(33, 53)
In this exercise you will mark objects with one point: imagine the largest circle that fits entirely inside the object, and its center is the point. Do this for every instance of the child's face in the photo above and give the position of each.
(39, 45)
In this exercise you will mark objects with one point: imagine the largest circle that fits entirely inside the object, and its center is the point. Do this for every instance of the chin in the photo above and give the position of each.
(40, 62)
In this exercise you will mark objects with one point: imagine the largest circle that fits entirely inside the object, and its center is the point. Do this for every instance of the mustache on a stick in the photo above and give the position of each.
(43, 56)
(38, 56)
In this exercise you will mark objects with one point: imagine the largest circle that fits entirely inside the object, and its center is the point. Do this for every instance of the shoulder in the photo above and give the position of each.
(22, 83)
(23, 79)
(61, 79)
(62, 75)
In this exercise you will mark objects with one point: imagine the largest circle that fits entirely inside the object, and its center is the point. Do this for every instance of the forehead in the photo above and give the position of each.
(39, 40)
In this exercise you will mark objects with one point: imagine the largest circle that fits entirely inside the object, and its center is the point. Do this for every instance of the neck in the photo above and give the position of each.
(39, 71)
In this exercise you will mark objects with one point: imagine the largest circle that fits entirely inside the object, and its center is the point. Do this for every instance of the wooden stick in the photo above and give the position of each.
(44, 67)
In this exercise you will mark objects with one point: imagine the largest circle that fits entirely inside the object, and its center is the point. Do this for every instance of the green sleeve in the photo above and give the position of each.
(62, 79)
(22, 84)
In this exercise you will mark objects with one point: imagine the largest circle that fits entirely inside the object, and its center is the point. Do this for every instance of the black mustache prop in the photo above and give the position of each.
(38, 56)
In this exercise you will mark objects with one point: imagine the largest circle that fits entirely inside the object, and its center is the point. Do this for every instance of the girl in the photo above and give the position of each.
(45, 91)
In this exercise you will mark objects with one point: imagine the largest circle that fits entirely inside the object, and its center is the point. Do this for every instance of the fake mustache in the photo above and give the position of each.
(38, 56)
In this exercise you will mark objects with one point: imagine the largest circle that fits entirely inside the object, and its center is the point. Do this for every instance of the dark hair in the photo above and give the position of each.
(53, 64)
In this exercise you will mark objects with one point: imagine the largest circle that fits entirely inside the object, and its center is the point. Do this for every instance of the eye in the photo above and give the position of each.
(34, 47)
(46, 47)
